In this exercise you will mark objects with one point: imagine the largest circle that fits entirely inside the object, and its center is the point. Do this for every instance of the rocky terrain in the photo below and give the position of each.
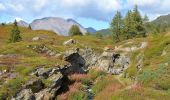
(45, 66)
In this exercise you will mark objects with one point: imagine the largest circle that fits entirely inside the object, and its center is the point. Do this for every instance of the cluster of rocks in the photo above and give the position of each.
(108, 61)
(112, 63)
(36, 89)
(80, 60)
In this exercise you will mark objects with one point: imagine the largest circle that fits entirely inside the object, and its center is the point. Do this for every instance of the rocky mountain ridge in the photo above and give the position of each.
(58, 25)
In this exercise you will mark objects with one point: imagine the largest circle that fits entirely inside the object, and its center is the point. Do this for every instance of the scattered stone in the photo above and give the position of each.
(164, 53)
(69, 42)
(1, 55)
(58, 55)
(42, 72)
(144, 45)
(36, 39)
(166, 64)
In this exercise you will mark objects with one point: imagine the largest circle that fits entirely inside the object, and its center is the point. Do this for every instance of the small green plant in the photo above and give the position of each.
(95, 73)
(78, 95)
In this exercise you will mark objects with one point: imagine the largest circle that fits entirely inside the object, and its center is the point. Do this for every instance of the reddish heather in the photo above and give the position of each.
(72, 89)
(78, 77)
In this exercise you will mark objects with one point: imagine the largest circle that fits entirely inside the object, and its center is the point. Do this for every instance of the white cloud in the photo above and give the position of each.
(94, 9)
(143, 2)
(2, 7)
(73, 3)
(16, 7)
(39, 4)
(18, 19)
(109, 5)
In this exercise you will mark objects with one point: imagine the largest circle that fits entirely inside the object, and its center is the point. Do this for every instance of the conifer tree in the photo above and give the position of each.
(74, 30)
(138, 22)
(29, 27)
(117, 26)
(15, 34)
(129, 29)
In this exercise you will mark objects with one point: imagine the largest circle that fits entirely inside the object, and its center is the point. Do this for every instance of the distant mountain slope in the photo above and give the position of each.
(162, 20)
(22, 23)
(55, 24)
(104, 32)
(91, 30)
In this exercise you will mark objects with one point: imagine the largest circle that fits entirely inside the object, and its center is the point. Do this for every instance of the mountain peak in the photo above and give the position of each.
(56, 24)
(91, 29)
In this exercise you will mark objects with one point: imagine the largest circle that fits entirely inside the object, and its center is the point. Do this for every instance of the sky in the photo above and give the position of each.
(89, 13)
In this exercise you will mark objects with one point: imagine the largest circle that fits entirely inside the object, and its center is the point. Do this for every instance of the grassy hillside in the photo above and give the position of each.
(149, 82)
(21, 60)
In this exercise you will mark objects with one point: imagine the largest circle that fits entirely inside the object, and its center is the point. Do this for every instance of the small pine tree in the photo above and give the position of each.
(3, 24)
(138, 22)
(129, 30)
(15, 34)
(29, 27)
(74, 30)
(117, 26)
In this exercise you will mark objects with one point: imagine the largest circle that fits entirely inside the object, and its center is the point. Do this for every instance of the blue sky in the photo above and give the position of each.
(94, 13)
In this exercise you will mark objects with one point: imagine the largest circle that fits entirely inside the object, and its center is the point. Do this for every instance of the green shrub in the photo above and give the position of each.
(103, 82)
(78, 95)
(94, 74)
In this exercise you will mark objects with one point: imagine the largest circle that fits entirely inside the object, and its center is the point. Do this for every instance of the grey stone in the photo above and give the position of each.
(36, 39)
(35, 85)
(25, 94)
(69, 42)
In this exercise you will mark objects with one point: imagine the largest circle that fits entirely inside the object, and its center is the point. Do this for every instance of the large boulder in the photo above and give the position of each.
(76, 61)
(89, 56)
(111, 62)
(105, 61)
(81, 59)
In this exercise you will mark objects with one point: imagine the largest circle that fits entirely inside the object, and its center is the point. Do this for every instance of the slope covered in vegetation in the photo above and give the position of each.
(147, 75)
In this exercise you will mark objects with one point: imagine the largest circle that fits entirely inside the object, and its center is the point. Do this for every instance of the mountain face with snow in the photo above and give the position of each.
(58, 25)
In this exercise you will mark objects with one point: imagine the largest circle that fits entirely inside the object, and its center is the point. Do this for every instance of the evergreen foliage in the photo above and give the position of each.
(133, 25)
(15, 34)
(74, 30)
